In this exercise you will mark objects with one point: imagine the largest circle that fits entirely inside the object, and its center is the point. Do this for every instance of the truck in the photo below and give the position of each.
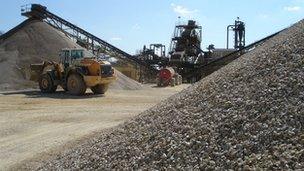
(75, 72)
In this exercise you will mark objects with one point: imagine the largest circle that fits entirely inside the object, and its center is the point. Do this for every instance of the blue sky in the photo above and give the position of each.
(129, 24)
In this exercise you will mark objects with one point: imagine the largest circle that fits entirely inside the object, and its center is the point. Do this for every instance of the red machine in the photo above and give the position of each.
(167, 76)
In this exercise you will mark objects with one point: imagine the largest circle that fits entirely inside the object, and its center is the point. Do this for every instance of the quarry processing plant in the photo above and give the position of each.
(185, 53)
(188, 59)
(186, 56)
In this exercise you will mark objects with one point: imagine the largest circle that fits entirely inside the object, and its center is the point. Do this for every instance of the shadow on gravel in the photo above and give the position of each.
(56, 95)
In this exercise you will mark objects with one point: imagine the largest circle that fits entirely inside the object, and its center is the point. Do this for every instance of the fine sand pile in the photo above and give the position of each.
(33, 42)
(125, 83)
(247, 115)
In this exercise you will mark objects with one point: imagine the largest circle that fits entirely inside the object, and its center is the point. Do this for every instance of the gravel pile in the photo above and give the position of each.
(125, 83)
(248, 115)
(32, 42)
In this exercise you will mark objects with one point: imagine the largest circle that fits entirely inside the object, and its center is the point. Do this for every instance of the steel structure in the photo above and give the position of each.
(158, 47)
(239, 34)
(186, 43)
(155, 54)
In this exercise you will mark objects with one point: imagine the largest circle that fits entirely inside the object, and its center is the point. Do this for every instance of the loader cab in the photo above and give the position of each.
(68, 56)
(77, 54)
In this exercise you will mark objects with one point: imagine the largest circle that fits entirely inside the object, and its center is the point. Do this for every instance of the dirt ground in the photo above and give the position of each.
(32, 123)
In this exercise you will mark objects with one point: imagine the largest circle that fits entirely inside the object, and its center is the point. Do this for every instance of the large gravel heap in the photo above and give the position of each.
(249, 114)
(32, 42)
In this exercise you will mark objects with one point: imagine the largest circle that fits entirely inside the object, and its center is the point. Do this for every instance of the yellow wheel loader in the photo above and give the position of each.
(75, 72)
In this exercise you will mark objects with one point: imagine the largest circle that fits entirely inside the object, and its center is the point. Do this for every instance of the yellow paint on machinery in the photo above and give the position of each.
(93, 66)
(93, 78)
(41, 68)
(92, 81)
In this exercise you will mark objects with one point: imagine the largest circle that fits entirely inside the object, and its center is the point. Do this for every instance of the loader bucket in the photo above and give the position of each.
(36, 71)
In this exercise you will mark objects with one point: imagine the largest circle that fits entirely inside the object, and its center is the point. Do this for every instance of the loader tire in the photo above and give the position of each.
(76, 85)
(100, 89)
(46, 84)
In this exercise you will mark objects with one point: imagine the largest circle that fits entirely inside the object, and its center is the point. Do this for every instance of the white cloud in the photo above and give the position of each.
(183, 11)
(264, 16)
(136, 27)
(116, 38)
(299, 1)
(292, 8)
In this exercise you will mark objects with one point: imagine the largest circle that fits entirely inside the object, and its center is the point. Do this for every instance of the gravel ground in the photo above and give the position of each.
(34, 126)
(247, 115)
